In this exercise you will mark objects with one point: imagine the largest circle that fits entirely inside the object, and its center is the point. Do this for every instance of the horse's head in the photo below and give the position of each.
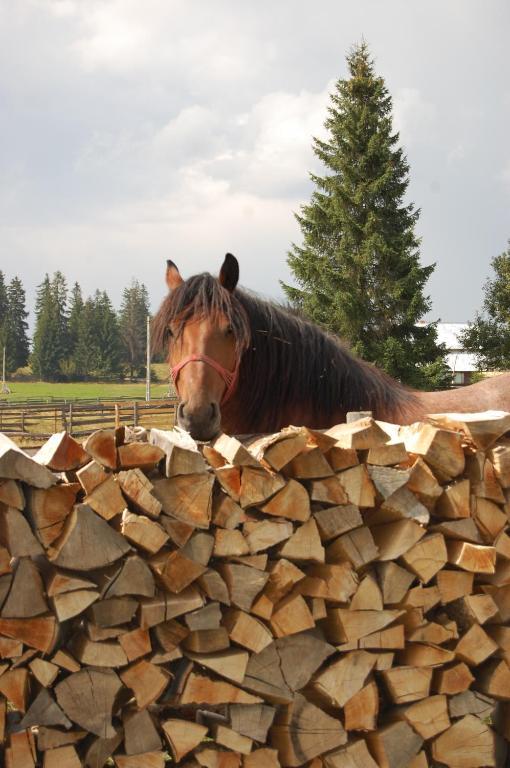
(206, 330)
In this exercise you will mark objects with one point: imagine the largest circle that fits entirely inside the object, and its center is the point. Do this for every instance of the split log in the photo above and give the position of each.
(49, 508)
(62, 757)
(230, 664)
(106, 499)
(101, 447)
(407, 684)
(146, 680)
(140, 733)
(354, 755)
(91, 475)
(344, 678)
(26, 596)
(15, 464)
(137, 488)
(16, 534)
(139, 455)
(11, 494)
(87, 542)
(394, 745)
(252, 720)
(483, 429)
(292, 502)
(61, 453)
(440, 448)
(467, 744)
(187, 498)
(181, 454)
(87, 698)
(303, 731)
(362, 709)
(183, 736)
(258, 486)
(143, 533)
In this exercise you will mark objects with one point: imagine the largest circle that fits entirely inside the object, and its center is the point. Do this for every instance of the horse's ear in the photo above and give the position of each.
(229, 272)
(173, 276)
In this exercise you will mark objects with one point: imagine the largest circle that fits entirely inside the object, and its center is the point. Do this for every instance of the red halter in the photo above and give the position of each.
(229, 377)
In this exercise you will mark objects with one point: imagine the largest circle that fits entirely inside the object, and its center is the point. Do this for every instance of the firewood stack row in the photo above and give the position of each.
(335, 599)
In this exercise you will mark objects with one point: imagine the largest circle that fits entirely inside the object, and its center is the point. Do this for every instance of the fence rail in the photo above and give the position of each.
(30, 424)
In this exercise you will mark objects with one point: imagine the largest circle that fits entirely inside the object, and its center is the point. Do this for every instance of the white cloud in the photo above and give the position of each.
(414, 117)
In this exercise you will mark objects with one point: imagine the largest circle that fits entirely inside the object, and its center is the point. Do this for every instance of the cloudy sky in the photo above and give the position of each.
(132, 132)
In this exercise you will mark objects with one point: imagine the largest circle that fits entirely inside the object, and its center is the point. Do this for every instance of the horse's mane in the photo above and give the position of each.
(285, 359)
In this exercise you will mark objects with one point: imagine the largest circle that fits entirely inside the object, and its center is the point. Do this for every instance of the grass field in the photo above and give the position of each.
(100, 390)
(76, 390)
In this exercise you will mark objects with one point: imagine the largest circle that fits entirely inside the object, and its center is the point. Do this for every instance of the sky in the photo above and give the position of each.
(132, 132)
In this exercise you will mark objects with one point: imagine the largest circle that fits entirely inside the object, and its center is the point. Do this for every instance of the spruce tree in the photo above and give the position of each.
(133, 317)
(488, 337)
(358, 270)
(73, 321)
(59, 293)
(86, 350)
(109, 344)
(16, 326)
(46, 355)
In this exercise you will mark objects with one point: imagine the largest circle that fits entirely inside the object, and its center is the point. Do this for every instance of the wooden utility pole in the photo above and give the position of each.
(148, 364)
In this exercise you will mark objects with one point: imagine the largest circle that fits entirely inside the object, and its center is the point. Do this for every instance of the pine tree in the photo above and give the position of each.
(358, 269)
(46, 354)
(16, 326)
(133, 317)
(109, 344)
(86, 349)
(73, 321)
(59, 293)
(488, 337)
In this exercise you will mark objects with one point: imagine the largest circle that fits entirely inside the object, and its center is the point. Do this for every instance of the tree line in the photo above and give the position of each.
(75, 338)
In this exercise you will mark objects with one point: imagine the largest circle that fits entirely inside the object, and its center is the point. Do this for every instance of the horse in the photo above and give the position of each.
(245, 365)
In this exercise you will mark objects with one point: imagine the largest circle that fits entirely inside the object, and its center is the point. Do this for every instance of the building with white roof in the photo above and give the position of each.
(462, 363)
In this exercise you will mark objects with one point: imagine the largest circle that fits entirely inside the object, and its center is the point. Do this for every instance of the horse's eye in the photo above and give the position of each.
(170, 332)
(229, 331)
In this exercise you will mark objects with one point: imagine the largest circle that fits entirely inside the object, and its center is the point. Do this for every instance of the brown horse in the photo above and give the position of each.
(267, 368)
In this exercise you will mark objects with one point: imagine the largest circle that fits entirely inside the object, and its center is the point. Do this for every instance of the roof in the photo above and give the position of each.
(448, 334)
(457, 359)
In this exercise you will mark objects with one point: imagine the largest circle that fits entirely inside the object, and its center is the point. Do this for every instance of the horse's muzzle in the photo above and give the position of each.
(203, 422)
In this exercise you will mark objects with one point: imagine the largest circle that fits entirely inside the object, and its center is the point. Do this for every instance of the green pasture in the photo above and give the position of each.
(76, 390)
(100, 390)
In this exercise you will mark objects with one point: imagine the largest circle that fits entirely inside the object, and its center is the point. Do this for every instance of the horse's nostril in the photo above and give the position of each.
(214, 410)
(180, 411)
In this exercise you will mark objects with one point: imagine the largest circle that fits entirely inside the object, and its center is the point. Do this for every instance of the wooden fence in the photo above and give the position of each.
(31, 424)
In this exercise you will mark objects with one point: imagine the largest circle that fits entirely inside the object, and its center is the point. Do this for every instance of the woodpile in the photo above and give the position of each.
(336, 599)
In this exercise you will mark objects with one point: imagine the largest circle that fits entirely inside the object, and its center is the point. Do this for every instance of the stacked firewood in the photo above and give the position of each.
(335, 599)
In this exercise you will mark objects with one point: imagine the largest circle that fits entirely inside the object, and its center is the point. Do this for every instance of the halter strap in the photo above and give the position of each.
(229, 377)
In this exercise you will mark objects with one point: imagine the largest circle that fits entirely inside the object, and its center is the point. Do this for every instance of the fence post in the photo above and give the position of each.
(70, 418)
(135, 414)
(22, 420)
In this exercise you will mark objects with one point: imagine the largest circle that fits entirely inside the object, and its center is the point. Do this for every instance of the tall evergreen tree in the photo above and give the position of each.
(358, 269)
(488, 337)
(59, 293)
(16, 326)
(86, 350)
(109, 343)
(133, 317)
(46, 354)
(73, 322)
